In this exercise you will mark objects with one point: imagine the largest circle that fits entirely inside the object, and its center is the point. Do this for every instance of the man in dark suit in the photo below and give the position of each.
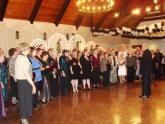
(146, 69)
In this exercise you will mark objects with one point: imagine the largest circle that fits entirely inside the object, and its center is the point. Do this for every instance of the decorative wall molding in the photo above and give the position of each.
(39, 43)
(59, 39)
(77, 39)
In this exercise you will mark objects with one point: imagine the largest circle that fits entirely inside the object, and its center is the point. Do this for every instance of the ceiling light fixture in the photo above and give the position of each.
(148, 9)
(136, 11)
(116, 15)
(155, 1)
(157, 7)
(95, 6)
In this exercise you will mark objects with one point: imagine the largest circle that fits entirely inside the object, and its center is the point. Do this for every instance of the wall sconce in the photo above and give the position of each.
(17, 34)
(45, 37)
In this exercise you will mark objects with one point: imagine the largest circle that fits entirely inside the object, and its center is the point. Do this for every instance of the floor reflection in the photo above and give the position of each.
(113, 105)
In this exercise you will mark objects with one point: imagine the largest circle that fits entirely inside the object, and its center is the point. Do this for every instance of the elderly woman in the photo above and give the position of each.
(113, 60)
(131, 66)
(122, 72)
(13, 52)
(4, 74)
(104, 69)
(26, 87)
(54, 84)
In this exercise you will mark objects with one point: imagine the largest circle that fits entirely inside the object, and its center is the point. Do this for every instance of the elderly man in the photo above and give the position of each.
(146, 69)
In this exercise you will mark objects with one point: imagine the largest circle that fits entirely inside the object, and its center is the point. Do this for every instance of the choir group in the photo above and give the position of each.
(52, 75)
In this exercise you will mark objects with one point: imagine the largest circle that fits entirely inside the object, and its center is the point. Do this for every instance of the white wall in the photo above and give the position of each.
(29, 32)
(151, 44)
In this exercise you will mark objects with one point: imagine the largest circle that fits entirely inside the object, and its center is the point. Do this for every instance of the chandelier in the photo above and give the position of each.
(94, 6)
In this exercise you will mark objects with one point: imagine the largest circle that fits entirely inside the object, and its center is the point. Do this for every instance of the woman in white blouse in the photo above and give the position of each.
(26, 87)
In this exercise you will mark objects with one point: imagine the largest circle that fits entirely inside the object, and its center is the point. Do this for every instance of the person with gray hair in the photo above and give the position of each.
(54, 83)
(146, 71)
(26, 87)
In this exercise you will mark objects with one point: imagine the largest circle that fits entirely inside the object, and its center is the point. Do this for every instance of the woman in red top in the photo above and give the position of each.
(95, 61)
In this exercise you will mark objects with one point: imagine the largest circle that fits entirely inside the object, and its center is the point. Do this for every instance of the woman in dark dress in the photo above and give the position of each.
(86, 69)
(4, 75)
(2, 106)
(64, 72)
(54, 84)
(45, 77)
(95, 62)
(13, 52)
(75, 70)
(79, 55)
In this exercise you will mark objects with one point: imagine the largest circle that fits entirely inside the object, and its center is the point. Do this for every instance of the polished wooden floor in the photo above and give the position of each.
(113, 105)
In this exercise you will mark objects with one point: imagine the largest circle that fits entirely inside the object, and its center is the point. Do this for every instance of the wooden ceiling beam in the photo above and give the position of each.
(62, 11)
(126, 4)
(162, 3)
(101, 21)
(79, 20)
(126, 22)
(154, 18)
(3, 6)
(91, 21)
(35, 11)
(137, 21)
(112, 23)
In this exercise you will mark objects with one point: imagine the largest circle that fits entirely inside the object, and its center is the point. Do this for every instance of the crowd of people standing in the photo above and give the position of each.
(35, 73)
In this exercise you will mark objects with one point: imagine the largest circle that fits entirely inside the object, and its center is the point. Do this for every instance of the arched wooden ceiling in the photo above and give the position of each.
(66, 12)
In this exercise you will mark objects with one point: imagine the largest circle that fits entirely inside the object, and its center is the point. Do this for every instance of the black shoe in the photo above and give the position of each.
(89, 89)
(144, 96)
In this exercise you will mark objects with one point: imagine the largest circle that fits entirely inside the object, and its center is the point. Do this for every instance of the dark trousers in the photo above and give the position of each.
(92, 78)
(64, 86)
(108, 71)
(105, 78)
(158, 72)
(96, 76)
(35, 96)
(14, 87)
(163, 70)
(25, 98)
(146, 84)
(54, 87)
(130, 74)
